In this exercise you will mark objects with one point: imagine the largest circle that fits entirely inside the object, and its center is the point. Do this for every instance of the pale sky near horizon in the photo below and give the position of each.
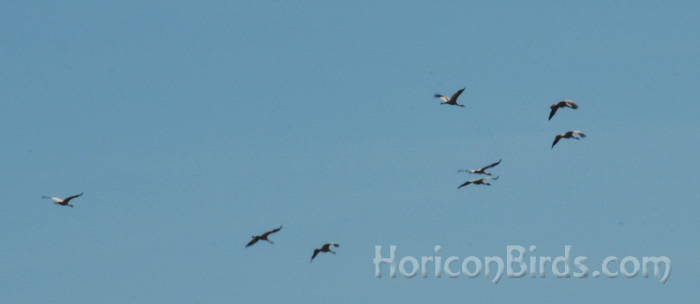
(192, 126)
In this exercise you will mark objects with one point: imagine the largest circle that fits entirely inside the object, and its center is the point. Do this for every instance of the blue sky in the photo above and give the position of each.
(192, 126)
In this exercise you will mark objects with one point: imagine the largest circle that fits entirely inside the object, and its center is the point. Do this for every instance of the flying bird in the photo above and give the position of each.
(61, 201)
(451, 100)
(325, 248)
(482, 170)
(480, 181)
(562, 104)
(569, 134)
(263, 237)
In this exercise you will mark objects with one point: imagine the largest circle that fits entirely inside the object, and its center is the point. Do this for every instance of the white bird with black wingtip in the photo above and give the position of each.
(451, 100)
(63, 201)
(482, 170)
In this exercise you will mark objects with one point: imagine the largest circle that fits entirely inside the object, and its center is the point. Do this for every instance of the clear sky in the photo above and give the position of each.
(191, 126)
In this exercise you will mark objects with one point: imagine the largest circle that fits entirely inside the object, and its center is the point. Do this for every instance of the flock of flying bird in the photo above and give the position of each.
(480, 181)
(325, 248)
(263, 237)
(565, 104)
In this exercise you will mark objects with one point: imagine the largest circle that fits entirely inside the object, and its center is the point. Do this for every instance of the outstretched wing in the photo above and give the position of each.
(253, 241)
(571, 104)
(492, 165)
(456, 95)
(316, 251)
(71, 197)
(271, 231)
(579, 133)
(554, 111)
(465, 183)
(556, 140)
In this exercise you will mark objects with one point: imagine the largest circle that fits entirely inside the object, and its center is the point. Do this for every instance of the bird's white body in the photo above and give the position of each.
(56, 199)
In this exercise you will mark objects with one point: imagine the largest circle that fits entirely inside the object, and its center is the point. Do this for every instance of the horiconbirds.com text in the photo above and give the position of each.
(518, 264)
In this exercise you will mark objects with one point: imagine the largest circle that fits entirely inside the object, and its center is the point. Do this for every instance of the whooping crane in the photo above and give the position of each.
(451, 100)
(61, 201)
(482, 170)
